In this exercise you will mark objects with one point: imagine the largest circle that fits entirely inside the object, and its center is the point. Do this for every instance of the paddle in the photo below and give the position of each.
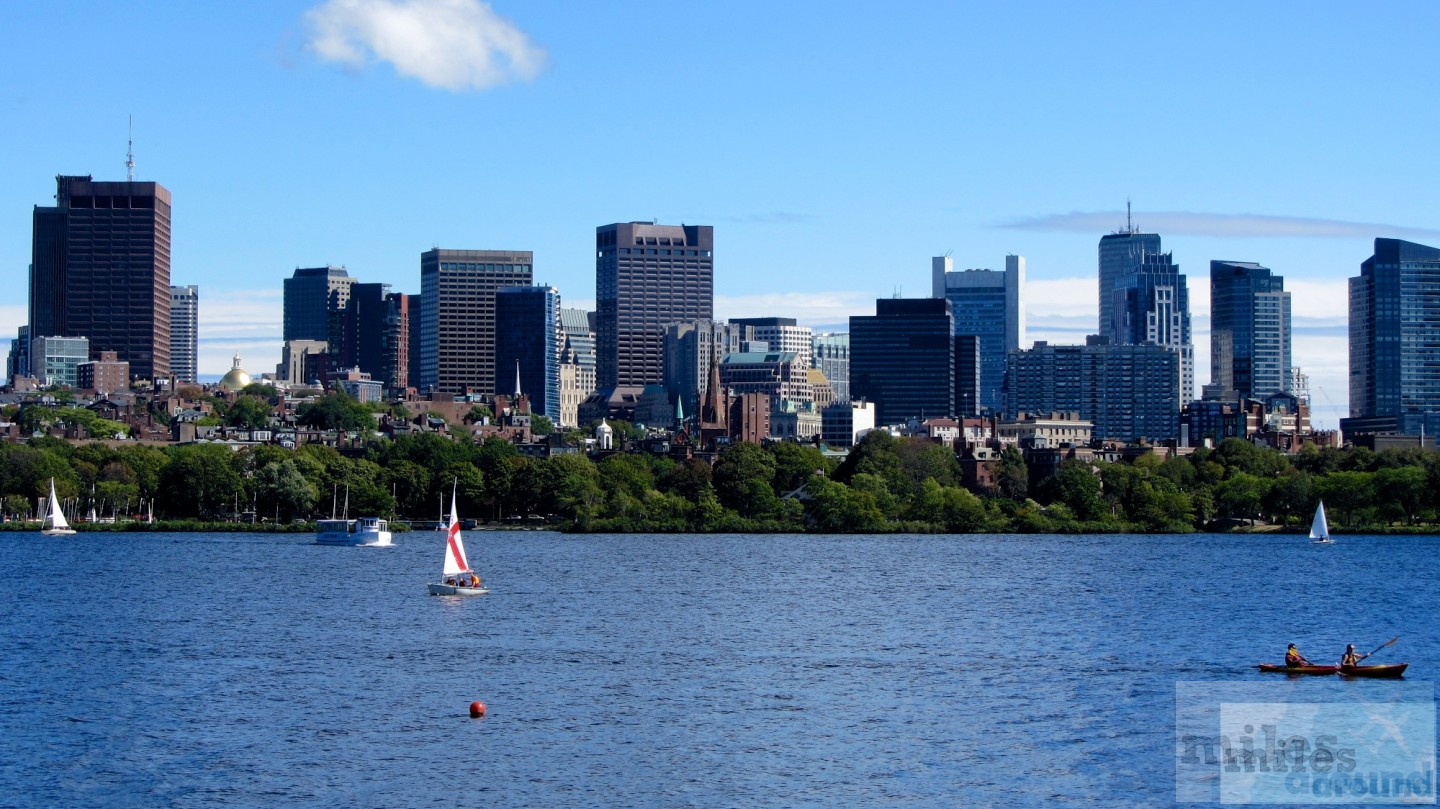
(1390, 642)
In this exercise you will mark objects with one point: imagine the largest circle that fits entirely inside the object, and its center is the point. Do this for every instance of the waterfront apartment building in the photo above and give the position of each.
(1394, 341)
(1144, 299)
(989, 305)
(55, 359)
(457, 314)
(647, 276)
(1128, 392)
(184, 332)
(100, 268)
(528, 340)
(1249, 329)
(902, 359)
(830, 352)
(314, 305)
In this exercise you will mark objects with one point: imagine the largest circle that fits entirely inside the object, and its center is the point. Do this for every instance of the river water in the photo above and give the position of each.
(264, 670)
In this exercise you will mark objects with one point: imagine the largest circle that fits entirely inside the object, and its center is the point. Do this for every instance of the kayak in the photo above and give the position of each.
(1393, 670)
(1284, 669)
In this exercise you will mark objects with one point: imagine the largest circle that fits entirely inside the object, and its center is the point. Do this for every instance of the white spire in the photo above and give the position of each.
(517, 379)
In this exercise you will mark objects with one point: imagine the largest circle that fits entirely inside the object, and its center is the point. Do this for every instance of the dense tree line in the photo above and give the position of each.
(885, 484)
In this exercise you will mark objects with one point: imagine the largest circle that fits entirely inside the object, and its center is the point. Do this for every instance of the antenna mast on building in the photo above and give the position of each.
(130, 154)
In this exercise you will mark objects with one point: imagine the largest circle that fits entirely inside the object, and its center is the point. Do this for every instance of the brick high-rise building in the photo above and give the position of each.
(647, 276)
(100, 268)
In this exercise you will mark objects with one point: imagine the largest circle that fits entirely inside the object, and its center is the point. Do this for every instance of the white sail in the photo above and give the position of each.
(55, 522)
(1320, 528)
(455, 561)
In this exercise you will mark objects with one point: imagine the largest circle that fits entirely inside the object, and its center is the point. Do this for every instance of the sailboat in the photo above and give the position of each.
(1320, 529)
(459, 579)
(55, 523)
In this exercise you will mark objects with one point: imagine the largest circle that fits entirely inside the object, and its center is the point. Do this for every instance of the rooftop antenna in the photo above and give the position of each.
(130, 154)
(1129, 228)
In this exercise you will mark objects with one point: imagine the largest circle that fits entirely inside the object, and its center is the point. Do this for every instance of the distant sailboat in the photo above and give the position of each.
(55, 523)
(1320, 528)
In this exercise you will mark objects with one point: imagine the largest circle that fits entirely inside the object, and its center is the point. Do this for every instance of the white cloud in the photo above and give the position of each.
(1214, 224)
(452, 44)
(823, 311)
(247, 322)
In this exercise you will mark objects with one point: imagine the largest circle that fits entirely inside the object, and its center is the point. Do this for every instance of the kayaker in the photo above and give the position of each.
(1293, 658)
(1350, 658)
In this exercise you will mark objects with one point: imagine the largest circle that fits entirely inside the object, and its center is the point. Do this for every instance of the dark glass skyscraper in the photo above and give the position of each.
(647, 276)
(100, 268)
(987, 305)
(528, 339)
(315, 301)
(363, 332)
(902, 359)
(1395, 337)
(1249, 329)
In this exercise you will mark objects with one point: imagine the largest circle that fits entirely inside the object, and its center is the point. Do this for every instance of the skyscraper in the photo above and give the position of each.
(528, 340)
(691, 350)
(1395, 339)
(395, 343)
(1144, 299)
(902, 359)
(100, 268)
(314, 306)
(647, 276)
(1249, 329)
(362, 333)
(831, 354)
(457, 314)
(989, 305)
(781, 334)
(184, 332)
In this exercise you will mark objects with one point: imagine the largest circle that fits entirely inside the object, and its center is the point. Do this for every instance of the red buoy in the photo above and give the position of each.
(477, 709)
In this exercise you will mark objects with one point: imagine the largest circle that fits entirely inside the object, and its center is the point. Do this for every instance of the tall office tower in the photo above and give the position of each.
(1394, 340)
(690, 352)
(647, 276)
(395, 343)
(987, 304)
(1144, 299)
(362, 331)
(100, 268)
(782, 334)
(1127, 391)
(1249, 329)
(576, 324)
(315, 301)
(902, 359)
(528, 343)
(184, 332)
(18, 363)
(967, 376)
(457, 315)
(831, 354)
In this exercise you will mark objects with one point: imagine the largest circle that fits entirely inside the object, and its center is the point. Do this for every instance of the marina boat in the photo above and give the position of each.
(457, 579)
(366, 531)
(1391, 671)
(55, 523)
(1320, 528)
(1281, 668)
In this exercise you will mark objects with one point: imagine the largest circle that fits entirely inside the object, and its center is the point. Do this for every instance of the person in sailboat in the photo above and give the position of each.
(1293, 657)
(1350, 658)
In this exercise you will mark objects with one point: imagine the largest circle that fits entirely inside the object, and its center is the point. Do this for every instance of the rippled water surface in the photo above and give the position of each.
(260, 670)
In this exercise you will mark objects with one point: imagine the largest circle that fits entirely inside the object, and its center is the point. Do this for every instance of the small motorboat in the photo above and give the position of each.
(1281, 668)
(1392, 670)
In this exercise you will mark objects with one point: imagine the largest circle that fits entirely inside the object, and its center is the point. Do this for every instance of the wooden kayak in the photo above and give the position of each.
(1393, 670)
(1284, 669)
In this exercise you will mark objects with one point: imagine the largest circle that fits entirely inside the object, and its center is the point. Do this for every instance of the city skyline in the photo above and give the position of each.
(832, 171)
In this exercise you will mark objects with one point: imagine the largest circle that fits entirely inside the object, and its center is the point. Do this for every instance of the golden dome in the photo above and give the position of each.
(236, 379)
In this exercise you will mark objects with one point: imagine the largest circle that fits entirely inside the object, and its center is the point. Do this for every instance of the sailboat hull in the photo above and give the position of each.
(456, 590)
(57, 532)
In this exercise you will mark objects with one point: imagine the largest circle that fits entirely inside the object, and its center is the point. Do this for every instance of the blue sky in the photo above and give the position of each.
(835, 146)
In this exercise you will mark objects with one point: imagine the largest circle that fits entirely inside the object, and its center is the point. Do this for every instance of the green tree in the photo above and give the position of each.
(743, 479)
(1012, 476)
(284, 492)
(201, 482)
(1403, 490)
(540, 424)
(336, 411)
(249, 412)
